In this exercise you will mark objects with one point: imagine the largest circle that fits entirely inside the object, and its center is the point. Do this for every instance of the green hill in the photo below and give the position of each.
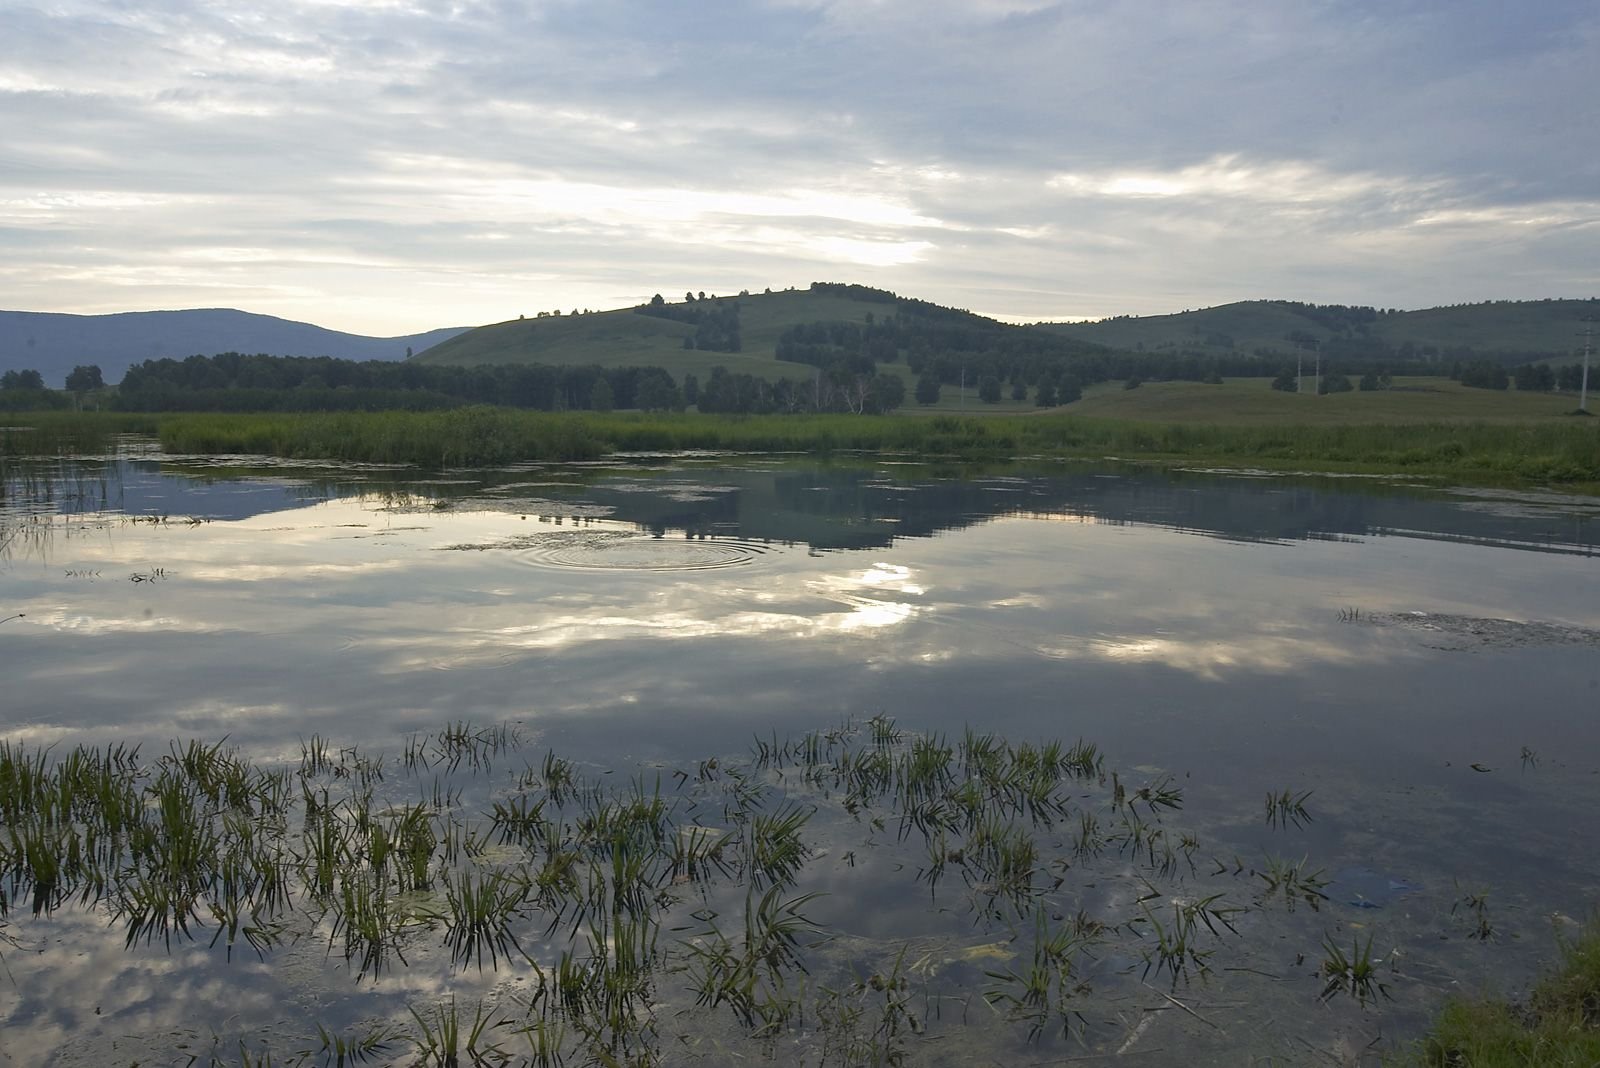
(1536, 329)
(627, 337)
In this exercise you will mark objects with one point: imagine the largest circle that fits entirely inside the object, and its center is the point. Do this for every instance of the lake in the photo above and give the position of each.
(696, 758)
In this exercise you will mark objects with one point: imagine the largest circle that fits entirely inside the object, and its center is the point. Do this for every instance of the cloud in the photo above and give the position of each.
(343, 163)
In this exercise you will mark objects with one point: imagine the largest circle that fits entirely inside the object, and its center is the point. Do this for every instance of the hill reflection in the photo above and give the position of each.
(823, 506)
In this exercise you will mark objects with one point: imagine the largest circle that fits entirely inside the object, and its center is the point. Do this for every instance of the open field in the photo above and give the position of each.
(1253, 402)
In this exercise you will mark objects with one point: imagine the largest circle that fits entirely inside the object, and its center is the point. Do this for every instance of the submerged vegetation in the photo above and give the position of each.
(713, 909)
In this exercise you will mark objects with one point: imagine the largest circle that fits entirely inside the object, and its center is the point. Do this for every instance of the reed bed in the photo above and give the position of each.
(1566, 452)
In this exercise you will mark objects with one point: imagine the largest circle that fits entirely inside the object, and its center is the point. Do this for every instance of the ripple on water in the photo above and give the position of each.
(617, 551)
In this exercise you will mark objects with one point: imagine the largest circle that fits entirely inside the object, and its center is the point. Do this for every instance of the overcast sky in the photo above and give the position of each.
(388, 166)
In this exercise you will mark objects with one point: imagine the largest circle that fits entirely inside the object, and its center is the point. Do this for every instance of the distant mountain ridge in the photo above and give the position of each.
(53, 343)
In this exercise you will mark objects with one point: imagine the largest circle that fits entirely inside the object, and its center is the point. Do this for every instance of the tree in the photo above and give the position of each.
(886, 393)
(85, 377)
(928, 389)
(601, 397)
(1286, 381)
(1019, 390)
(691, 389)
(1537, 377)
(1333, 382)
(989, 389)
(657, 301)
(1485, 374)
(22, 379)
(1045, 396)
(656, 392)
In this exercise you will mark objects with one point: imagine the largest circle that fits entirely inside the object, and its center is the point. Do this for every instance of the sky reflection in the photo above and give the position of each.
(1240, 663)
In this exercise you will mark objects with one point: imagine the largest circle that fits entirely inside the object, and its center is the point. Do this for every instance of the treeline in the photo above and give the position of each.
(235, 382)
(1529, 377)
(855, 388)
(232, 382)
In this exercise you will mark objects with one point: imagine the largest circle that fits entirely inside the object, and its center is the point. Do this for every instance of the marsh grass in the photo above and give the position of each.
(1287, 807)
(1354, 973)
(1291, 881)
(1538, 450)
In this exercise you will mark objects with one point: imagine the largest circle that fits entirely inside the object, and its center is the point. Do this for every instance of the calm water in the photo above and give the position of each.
(1376, 645)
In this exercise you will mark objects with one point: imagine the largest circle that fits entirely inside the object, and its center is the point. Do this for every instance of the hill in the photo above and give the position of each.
(631, 337)
(1513, 330)
(832, 345)
(54, 343)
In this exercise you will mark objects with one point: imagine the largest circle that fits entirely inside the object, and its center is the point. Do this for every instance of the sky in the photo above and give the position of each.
(391, 166)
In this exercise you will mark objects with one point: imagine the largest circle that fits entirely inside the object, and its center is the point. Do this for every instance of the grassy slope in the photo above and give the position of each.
(622, 338)
(1527, 326)
(1252, 402)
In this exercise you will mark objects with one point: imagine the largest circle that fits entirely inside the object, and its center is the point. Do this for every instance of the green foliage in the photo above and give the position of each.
(1484, 374)
(83, 378)
(26, 378)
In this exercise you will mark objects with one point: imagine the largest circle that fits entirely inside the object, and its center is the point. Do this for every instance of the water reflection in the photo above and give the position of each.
(824, 507)
(1361, 641)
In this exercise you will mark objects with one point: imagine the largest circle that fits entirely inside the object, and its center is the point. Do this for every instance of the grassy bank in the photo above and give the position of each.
(1555, 452)
(1552, 451)
(1559, 1027)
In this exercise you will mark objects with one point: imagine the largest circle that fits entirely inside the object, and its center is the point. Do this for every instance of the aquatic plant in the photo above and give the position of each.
(1286, 807)
(1355, 973)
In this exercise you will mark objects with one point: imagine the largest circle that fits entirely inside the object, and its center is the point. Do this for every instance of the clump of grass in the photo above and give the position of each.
(1559, 1027)
(1474, 905)
(1290, 880)
(1286, 807)
(1355, 973)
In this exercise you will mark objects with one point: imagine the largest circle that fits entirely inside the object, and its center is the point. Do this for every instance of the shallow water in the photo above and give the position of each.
(1376, 645)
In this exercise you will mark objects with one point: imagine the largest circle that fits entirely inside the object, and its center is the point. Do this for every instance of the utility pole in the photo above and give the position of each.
(1299, 357)
(1588, 343)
